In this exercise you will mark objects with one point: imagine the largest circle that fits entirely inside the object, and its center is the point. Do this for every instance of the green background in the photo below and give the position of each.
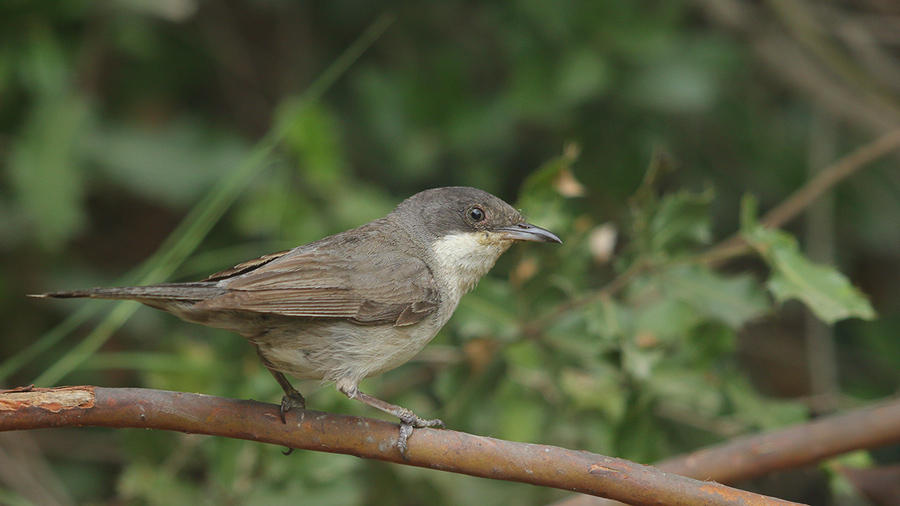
(267, 124)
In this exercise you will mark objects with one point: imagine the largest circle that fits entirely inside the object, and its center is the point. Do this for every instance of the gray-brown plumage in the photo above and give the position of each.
(354, 304)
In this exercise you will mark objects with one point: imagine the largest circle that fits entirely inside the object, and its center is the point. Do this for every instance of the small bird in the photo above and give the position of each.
(355, 304)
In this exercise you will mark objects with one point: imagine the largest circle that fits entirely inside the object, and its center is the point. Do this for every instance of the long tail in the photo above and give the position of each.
(170, 291)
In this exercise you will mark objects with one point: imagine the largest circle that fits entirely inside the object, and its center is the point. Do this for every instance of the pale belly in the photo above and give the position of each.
(335, 350)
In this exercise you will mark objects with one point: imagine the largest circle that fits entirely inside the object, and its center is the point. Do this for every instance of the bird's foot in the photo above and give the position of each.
(291, 400)
(408, 419)
(408, 422)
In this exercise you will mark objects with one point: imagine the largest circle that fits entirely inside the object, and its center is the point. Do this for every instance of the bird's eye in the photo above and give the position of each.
(475, 214)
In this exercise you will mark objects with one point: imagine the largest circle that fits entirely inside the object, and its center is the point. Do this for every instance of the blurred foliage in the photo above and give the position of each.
(823, 289)
(143, 141)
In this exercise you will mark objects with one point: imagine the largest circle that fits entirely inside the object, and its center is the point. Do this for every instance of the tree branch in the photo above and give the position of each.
(753, 456)
(800, 200)
(446, 450)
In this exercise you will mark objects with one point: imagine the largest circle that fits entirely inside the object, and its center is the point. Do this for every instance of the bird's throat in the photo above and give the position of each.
(461, 260)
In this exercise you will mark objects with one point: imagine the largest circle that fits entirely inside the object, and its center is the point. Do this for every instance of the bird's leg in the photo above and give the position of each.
(292, 398)
(408, 419)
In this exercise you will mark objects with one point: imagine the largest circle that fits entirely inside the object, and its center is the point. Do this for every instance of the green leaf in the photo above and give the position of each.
(733, 300)
(681, 221)
(672, 224)
(645, 203)
(709, 343)
(822, 288)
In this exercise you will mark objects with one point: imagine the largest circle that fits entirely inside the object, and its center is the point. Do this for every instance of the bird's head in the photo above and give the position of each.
(465, 229)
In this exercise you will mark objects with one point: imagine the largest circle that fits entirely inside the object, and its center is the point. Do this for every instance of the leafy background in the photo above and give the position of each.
(144, 141)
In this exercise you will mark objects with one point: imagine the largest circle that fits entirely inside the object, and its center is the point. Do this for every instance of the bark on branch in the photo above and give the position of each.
(749, 457)
(447, 450)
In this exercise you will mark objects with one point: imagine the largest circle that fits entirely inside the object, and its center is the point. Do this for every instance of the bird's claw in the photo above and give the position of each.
(292, 400)
(408, 422)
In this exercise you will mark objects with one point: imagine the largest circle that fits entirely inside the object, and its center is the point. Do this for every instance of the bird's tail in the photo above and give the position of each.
(171, 291)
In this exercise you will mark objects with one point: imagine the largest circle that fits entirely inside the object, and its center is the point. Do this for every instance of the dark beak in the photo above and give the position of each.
(528, 232)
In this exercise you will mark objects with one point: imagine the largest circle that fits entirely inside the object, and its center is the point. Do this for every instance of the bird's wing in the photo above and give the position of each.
(335, 279)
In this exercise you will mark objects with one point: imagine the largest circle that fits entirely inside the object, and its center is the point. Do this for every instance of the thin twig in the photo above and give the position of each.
(446, 450)
(801, 199)
(830, 177)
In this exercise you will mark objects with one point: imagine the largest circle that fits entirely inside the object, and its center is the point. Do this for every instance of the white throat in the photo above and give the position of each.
(464, 258)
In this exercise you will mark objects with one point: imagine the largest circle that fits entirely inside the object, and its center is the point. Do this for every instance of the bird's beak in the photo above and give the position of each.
(528, 232)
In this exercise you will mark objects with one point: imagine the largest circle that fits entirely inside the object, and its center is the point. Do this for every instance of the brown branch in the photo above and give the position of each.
(801, 445)
(825, 180)
(829, 177)
(446, 450)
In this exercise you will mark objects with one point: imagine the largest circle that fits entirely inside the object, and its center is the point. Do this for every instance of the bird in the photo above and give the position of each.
(355, 304)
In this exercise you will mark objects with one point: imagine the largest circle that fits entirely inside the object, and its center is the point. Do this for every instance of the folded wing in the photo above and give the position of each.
(337, 278)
